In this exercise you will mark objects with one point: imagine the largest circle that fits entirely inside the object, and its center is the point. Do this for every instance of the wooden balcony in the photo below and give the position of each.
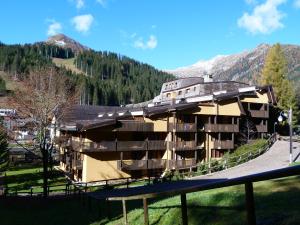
(262, 128)
(231, 128)
(183, 127)
(259, 113)
(102, 146)
(226, 144)
(129, 165)
(157, 145)
(109, 146)
(184, 145)
(182, 164)
(157, 163)
(136, 126)
(131, 145)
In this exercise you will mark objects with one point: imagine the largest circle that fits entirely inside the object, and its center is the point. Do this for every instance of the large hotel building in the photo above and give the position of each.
(193, 120)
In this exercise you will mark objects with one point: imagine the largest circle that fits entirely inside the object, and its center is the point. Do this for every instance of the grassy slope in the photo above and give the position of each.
(226, 206)
(277, 202)
(22, 179)
(68, 63)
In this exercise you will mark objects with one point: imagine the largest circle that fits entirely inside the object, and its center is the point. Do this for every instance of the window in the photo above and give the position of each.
(168, 95)
(179, 92)
(187, 90)
(195, 88)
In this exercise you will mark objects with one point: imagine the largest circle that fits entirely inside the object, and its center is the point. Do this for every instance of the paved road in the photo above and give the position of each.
(277, 157)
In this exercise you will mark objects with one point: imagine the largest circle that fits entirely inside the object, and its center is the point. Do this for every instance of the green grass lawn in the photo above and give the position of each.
(277, 202)
(24, 178)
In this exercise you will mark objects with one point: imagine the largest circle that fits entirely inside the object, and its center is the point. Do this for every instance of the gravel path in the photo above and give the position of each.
(277, 157)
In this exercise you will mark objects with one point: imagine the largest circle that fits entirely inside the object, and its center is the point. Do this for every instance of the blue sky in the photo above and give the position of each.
(164, 33)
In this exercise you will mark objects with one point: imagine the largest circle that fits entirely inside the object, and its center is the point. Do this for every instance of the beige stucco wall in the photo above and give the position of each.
(95, 169)
(228, 109)
(160, 125)
(260, 98)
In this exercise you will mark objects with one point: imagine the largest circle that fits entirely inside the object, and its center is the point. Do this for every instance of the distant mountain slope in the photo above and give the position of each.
(102, 78)
(243, 66)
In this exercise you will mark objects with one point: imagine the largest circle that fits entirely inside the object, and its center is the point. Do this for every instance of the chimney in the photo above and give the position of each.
(208, 78)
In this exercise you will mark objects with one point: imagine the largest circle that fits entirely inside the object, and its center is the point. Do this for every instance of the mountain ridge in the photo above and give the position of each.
(244, 66)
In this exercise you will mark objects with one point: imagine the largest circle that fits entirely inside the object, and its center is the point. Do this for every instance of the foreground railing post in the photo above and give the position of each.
(124, 212)
(250, 207)
(146, 215)
(184, 209)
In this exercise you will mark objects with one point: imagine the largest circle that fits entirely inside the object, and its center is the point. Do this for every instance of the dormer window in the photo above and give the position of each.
(187, 90)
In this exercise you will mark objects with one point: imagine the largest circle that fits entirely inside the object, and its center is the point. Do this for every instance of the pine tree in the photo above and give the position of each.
(275, 73)
(4, 159)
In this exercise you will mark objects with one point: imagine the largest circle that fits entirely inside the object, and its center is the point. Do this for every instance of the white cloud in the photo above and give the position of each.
(54, 28)
(102, 2)
(264, 19)
(150, 44)
(297, 4)
(251, 2)
(83, 23)
(79, 4)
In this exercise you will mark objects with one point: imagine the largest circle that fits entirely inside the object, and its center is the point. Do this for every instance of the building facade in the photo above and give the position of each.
(190, 122)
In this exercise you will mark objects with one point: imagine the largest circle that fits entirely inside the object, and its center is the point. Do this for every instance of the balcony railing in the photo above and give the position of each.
(136, 126)
(226, 144)
(157, 145)
(95, 146)
(184, 145)
(221, 128)
(183, 127)
(262, 128)
(259, 113)
(128, 165)
(131, 145)
(104, 146)
(182, 164)
(156, 163)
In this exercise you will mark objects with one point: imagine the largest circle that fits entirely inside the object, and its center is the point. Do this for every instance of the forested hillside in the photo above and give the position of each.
(105, 78)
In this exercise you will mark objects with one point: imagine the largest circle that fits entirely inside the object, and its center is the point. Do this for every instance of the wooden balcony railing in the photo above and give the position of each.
(95, 146)
(131, 145)
(226, 144)
(136, 126)
(182, 164)
(262, 128)
(157, 145)
(118, 146)
(128, 165)
(232, 128)
(184, 145)
(183, 127)
(156, 163)
(259, 113)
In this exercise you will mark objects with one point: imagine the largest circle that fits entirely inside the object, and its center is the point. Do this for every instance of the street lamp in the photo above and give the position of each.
(288, 116)
(274, 127)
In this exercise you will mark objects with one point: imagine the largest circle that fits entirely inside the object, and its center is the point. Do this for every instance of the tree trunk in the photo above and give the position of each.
(45, 172)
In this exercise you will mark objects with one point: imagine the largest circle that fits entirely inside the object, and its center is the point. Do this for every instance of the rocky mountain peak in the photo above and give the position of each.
(66, 42)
